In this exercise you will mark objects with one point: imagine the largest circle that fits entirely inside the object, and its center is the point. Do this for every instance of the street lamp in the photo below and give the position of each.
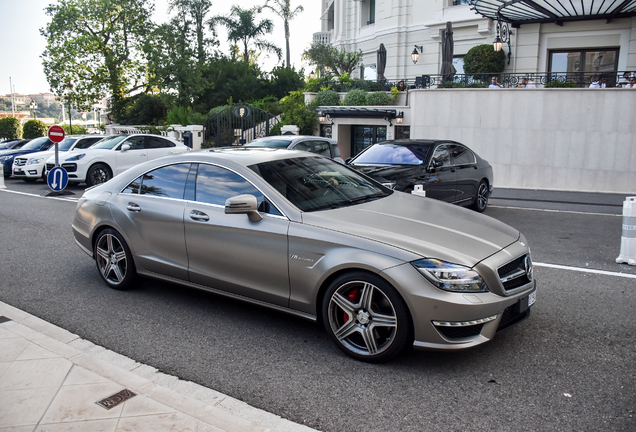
(415, 55)
(312, 74)
(399, 119)
(33, 105)
(502, 37)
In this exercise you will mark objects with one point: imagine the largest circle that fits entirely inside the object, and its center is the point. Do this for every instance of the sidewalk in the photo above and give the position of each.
(52, 380)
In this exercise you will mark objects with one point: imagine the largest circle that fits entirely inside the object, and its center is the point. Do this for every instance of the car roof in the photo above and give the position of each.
(244, 156)
(409, 142)
(291, 137)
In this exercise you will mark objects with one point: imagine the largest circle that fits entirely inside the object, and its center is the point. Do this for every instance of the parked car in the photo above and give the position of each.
(13, 144)
(114, 155)
(32, 166)
(306, 235)
(35, 145)
(323, 146)
(446, 170)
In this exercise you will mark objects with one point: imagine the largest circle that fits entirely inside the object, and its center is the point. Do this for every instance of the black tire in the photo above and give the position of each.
(98, 174)
(114, 260)
(366, 317)
(481, 197)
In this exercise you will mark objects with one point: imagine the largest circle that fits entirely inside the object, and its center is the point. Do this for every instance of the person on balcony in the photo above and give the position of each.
(495, 83)
(632, 82)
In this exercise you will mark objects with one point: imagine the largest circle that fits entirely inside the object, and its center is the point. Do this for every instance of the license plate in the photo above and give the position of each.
(532, 298)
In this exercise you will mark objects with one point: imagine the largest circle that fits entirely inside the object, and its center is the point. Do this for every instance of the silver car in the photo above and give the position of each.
(303, 234)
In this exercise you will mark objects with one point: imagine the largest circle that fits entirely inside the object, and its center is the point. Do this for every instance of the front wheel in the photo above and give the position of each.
(481, 198)
(366, 317)
(98, 174)
(114, 260)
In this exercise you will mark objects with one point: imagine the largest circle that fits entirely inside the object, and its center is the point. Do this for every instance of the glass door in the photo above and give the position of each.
(365, 136)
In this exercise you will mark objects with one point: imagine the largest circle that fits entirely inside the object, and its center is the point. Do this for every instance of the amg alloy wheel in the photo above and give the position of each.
(366, 317)
(114, 260)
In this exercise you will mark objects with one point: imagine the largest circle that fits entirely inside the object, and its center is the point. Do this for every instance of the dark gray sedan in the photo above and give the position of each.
(303, 234)
(441, 169)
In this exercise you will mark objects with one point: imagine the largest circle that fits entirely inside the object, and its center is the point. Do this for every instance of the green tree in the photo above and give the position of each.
(34, 129)
(483, 59)
(283, 80)
(299, 114)
(146, 110)
(97, 46)
(283, 9)
(242, 28)
(195, 11)
(10, 128)
(329, 59)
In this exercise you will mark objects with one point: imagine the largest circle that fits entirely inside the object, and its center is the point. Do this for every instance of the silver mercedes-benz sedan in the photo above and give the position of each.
(297, 232)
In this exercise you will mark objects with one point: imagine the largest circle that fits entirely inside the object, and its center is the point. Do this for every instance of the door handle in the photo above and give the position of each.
(133, 207)
(198, 215)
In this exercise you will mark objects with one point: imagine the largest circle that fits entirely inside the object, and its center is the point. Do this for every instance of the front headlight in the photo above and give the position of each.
(450, 277)
(76, 158)
(34, 161)
(5, 158)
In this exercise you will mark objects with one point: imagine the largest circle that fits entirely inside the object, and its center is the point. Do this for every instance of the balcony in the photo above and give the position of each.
(322, 37)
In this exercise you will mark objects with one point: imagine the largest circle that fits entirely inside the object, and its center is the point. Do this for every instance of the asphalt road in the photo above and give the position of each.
(570, 366)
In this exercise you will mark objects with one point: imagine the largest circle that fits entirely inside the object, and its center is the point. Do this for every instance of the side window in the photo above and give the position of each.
(441, 154)
(135, 142)
(303, 145)
(86, 143)
(322, 148)
(462, 155)
(157, 142)
(168, 182)
(215, 185)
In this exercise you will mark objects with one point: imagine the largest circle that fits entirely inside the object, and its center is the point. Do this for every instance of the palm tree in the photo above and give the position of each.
(241, 27)
(283, 10)
(196, 9)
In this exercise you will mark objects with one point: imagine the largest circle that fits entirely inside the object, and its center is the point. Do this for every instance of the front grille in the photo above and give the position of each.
(50, 166)
(19, 162)
(70, 167)
(516, 273)
(460, 332)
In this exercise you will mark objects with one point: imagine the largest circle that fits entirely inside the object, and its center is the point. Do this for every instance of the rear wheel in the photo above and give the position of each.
(98, 174)
(481, 198)
(366, 317)
(114, 260)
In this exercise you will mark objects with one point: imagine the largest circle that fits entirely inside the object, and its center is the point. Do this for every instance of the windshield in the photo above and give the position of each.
(390, 154)
(262, 142)
(312, 183)
(110, 142)
(35, 144)
(66, 144)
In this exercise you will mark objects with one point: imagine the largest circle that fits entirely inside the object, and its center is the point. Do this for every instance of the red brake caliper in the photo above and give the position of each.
(353, 295)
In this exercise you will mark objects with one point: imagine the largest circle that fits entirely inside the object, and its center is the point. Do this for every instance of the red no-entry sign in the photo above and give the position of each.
(56, 133)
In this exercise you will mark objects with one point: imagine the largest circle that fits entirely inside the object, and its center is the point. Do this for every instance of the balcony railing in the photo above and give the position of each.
(322, 37)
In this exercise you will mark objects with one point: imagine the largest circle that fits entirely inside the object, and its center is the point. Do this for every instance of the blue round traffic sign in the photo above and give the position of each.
(57, 179)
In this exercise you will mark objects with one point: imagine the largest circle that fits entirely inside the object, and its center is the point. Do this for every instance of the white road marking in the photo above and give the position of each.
(585, 270)
(40, 196)
(555, 211)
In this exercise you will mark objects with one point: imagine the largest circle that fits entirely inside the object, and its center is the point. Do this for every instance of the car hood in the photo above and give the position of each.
(42, 154)
(16, 152)
(422, 226)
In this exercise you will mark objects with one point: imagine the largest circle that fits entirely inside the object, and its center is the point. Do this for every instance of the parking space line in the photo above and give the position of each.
(555, 211)
(586, 270)
(39, 196)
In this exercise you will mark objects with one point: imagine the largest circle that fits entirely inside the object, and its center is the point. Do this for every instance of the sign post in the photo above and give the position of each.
(57, 178)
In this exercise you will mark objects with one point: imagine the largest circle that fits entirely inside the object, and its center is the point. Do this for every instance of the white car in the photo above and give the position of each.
(32, 166)
(114, 155)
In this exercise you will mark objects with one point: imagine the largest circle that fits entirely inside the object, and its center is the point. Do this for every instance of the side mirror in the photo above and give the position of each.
(243, 204)
(348, 161)
(125, 147)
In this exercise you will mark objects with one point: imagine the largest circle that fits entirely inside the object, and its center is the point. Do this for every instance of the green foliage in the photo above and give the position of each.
(146, 110)
(185, 116)
(339, 61)
(226, 78)
(355, 97)
(243, 29)
(379, 98)
(10, 128)
(327, 98)
(34, 129)
(395, 93)
(483, 59)
(269, 104)
(97, 46)
(299, 114)
(283, 10)
(77, 129)
(283, 80)
(277, 129)
(560, 84)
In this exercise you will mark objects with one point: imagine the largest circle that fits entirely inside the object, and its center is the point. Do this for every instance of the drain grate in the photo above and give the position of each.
(116, 399)
(4, 319)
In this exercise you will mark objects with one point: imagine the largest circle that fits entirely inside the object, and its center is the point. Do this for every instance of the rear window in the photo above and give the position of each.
(389, 154)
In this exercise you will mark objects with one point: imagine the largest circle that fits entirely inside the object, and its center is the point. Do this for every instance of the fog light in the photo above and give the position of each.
(33, 172)
(464, 323)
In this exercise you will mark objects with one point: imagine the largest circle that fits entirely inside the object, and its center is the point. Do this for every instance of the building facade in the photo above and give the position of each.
(584, 44)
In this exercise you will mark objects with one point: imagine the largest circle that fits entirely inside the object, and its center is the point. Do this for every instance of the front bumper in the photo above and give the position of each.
(28, 171)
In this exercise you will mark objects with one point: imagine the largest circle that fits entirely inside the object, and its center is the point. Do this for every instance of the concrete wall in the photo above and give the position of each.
(564, 139)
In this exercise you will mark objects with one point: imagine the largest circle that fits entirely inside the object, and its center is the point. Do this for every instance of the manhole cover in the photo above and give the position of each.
(116, 399)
